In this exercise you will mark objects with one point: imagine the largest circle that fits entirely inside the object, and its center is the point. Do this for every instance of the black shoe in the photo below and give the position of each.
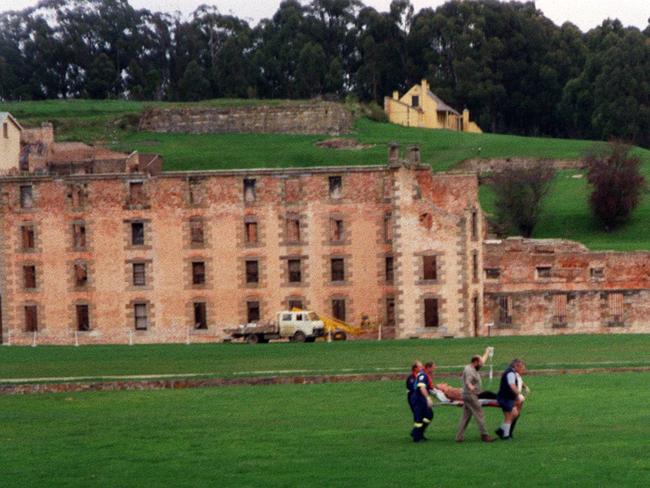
(499, 432)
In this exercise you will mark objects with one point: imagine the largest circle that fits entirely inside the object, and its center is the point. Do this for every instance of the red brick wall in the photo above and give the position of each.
(368, 194)
(556, 287)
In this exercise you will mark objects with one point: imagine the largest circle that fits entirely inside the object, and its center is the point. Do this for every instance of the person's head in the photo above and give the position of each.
(430, 367)
(518, 365)
(416, 366)
(477, 361)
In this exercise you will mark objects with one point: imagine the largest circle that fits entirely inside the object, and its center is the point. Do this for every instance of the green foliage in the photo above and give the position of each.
(310, 72)
(194, 85)
(101, 77)
(617, 184)
(519, 194)
(376, 113)
(512, 67)
(575, 430)
(609, 97)
(136, 81)
(566, 214)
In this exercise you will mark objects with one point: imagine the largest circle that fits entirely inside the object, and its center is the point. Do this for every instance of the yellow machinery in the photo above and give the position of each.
(335, 328)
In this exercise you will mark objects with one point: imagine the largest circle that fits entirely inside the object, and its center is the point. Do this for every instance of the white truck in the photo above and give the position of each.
(302, 326)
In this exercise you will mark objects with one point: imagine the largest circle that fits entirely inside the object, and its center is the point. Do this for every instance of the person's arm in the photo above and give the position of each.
(470, 386)
(424, 390)
(486, 354)
(512, 381)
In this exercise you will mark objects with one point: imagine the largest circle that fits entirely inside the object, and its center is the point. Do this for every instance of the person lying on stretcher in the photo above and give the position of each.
(456, 394)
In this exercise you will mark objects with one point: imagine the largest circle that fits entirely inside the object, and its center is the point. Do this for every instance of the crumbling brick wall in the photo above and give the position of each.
(294, 118)
(554, 287)
(118, 246)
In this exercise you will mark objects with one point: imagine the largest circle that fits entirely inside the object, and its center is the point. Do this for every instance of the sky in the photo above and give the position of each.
(586, 14)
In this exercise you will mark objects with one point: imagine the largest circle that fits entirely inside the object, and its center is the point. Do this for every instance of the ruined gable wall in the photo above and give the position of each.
(433, 215)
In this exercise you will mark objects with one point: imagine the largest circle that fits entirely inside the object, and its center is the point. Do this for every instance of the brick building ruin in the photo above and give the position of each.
(547, 286)
(144, 256)
(152, 258)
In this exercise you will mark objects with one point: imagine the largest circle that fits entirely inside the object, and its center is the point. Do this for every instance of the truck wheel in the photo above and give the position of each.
(310, 339)
(253, 339)
(299, 336)
(339, 335)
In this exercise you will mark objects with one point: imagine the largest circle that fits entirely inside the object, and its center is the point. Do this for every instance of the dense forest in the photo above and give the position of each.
(512, 67)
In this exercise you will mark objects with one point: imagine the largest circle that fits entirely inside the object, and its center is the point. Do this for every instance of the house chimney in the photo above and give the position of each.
(393, 152)
(425, 87)
(395, 95)
(465, 120)
(414, 154)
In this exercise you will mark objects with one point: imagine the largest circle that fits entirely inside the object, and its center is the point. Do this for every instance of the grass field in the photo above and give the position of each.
(589, 430)
(241, 360)
(566, 215)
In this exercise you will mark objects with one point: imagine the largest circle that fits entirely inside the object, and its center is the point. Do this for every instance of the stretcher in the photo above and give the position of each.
(444, 401)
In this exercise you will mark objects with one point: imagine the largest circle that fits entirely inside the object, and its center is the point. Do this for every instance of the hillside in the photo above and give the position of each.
(566, 214)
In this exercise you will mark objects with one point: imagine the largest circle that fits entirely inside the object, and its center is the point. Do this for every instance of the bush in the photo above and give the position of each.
(519, 193)
(376, 113)
(617, 184)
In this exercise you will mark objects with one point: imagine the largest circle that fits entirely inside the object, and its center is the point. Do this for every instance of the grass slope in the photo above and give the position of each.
(576, 431)
(339, 357)
(566, 215)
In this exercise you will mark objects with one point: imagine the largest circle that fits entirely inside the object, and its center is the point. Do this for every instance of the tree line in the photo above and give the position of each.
(511, 66)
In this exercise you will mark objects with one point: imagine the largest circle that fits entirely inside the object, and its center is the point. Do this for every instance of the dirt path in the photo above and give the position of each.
(163, 382)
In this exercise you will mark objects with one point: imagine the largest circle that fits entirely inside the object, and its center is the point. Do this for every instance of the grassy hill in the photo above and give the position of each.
(566, 215)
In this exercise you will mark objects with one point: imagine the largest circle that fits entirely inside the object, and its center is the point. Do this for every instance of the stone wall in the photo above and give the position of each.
(398, 211)
(294, 118)
(484, 166)
(38, 135)
(556, 287)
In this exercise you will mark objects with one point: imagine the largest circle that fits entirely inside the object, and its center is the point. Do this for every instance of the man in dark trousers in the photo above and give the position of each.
(422, 404)
(410, 384)
(510, 397)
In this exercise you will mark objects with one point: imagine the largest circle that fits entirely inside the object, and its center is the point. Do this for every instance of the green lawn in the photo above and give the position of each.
(587, 431)
(567, 214)
(241, 360)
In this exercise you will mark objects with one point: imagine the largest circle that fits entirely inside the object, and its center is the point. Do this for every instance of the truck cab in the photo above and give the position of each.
(300, 326)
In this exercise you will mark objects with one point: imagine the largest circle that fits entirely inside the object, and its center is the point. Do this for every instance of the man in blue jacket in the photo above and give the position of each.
(410, 383)
(422, 403)
(510, 397)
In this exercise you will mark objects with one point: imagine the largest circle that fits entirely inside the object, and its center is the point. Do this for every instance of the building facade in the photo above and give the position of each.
(420, 107)
(10, 132)
(135, 257)
(547, 286)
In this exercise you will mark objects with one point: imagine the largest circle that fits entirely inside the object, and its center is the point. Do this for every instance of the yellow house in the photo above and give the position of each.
(10, 131)
(419, 107)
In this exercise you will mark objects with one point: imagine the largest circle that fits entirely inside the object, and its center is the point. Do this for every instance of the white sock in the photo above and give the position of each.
(506, 430)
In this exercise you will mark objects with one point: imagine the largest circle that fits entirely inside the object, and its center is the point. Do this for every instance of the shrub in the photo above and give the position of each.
(519, 193)
(617, 184)
(376, 113)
